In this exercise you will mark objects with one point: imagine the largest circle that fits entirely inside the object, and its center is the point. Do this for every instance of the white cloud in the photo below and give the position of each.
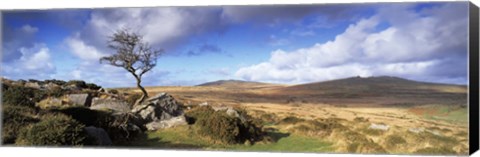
(82, 50)
(303, 33)
(163, 28)
(35, 62)
(29, 29)
(273, 40)
(16, 38)
(413, 45)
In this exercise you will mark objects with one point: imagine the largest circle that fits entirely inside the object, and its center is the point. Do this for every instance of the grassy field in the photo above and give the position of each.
(420, 118)
(185, 138)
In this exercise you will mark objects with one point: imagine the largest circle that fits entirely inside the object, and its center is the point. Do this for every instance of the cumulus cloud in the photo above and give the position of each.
(218, 71)
(273, 40)
(273, 14)
(163, 28)
(205, 48)
(82, 50)
(16, 38)
(416, 45)
(34, 62)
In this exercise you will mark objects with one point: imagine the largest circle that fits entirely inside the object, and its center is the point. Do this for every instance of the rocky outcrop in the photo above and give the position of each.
(32, 85)
(172, 122)
(379, 127)
(110, 104)
(230, 111)
(80, 99)
(50, 86)
(157, 108)
(99, 135)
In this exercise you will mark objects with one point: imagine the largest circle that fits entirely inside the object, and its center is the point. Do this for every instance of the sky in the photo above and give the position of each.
(287, 44)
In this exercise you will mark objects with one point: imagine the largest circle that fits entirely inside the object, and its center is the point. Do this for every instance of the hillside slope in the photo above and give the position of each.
(238, 84)
(386, 89)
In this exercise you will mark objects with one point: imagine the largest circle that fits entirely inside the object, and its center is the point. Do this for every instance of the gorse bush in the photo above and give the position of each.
(291, 120)
(357, 143)
(394, 140)
(200, 112)
(118, 127)
(223, 128)
(53, 130)
(77, 83)
(15, 118)
(220, 127)
(18, 95)
(113, 91)
(121, 128)
(56, 92)
(58, 82)
(131, 99)
(92, 86)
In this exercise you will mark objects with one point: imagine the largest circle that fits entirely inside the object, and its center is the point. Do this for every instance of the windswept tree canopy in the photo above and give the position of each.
(133, 54)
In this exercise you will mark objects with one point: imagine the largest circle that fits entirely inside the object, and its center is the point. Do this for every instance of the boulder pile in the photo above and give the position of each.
(160, 111)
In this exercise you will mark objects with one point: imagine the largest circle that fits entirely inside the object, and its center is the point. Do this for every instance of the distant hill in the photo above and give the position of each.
(376, 84)
(238, 84)
(390, 89)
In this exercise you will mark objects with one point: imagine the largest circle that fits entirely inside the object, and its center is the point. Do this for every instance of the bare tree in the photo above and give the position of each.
(132, 54)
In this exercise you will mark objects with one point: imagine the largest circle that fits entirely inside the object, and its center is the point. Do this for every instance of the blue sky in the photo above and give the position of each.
(277, 44)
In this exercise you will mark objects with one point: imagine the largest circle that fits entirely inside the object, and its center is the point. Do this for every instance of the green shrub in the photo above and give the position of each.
(33, 80)
(220, 127)
(92, 86)
(120, 128)
(18, 95)
(291, 120)
(200, 112)
(394, 140)
(365, 147)
(113, 91)
(268, 118)
(53, 130)
(15, 118)
(56, 92)
(4, 86)
(58, 82)
(39, 95)
(117, 126)
(78, 83)
(133, 98)
(361, 144)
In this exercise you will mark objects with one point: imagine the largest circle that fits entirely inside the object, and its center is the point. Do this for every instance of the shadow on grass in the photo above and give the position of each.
(144, 142)
(277, 135)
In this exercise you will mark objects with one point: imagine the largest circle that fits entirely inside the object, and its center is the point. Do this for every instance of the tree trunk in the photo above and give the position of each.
(144, 92)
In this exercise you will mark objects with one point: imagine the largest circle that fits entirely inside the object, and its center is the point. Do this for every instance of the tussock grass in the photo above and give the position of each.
(435, 151)
(393, 141)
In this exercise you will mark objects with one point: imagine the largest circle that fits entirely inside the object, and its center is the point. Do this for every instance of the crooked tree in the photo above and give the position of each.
(134, 55)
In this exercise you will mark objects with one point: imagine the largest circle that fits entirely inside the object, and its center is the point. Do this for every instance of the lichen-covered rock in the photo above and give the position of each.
(379, 127)
(157, 108)
(230, 111)
(110, 104)
(80, 99)
(172, 122)
(32, 85)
